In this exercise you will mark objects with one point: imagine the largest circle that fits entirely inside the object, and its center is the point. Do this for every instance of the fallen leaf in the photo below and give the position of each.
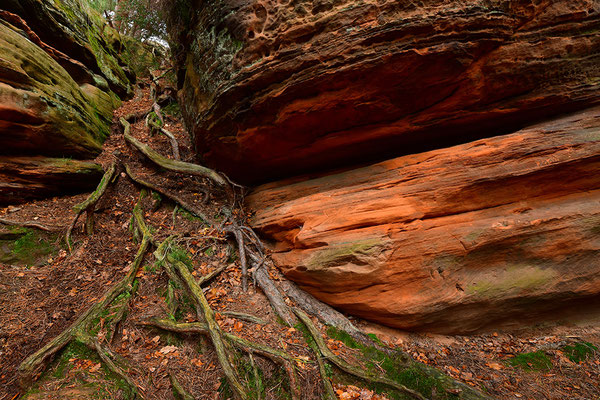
(168, 349)
(495, 366)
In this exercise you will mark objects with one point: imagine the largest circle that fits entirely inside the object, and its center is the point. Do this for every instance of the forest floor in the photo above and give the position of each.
(44, 295)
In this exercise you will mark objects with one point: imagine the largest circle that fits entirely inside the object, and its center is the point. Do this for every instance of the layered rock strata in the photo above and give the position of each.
(449, 240)
(275, 88)
(55, 102)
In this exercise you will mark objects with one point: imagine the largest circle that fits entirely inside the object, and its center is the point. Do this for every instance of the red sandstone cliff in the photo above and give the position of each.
(472, 227)
(273, 88)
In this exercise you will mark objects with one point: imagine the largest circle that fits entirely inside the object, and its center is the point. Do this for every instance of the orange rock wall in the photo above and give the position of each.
(450, 240)
(272, 88)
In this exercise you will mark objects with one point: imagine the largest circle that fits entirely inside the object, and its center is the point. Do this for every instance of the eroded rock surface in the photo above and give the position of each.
(274, 88)
(449, 240)
(59, 79)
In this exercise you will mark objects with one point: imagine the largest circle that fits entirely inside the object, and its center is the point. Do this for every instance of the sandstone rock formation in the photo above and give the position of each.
(59, 76)
(273, 88)
(452, 239)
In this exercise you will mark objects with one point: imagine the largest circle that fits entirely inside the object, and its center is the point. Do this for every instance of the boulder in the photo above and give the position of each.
(451, 240)
(27, 178)
(275, 88)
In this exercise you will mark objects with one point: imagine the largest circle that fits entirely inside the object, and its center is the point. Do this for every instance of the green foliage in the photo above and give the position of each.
(172, 110)
(103, 5)
(142, 19)
(536, 361)
(580, 351)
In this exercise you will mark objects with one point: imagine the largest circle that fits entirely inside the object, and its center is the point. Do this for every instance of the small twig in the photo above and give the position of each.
(32, 224)
(212, 275)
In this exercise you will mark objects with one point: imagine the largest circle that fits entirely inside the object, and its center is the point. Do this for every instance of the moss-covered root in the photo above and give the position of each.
(324, 312)
(107, 358)
(345, 366)
(329, 393)
(88, 204)
(216, 335)
(171, 165)
(277, 356)
(173, 197)
(158, 125)
(33, 366)
(178, 391)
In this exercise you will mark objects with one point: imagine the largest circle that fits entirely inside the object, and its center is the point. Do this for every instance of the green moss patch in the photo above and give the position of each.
(580, 351)
(343, 253)
(536, 361)
(515, 278)
(78, 373)
(397, 368)
(26, 247)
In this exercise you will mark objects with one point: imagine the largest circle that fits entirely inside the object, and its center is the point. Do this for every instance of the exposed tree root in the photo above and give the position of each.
(324, 312)
(227, 346)
(172, 165)
(345, 366)
(243, 261)
(179, 392)
(244, 317)
(261, 276)
(33, 366)
(213, 328)
(327, 386)
(88, 204)
(277, 356)
(107, 357)
(158, 126)
(171, 196)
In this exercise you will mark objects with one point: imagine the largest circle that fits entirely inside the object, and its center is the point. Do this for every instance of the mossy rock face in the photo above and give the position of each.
(60, 81)
(44, 109)
(26, 247)
(75, 29)
(26, 178)
(141, 57)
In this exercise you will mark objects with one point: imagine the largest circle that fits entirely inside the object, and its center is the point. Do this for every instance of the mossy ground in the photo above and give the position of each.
(26, 247)
(394, 367)
(78, 372)
(535, 361)
(580, 351)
